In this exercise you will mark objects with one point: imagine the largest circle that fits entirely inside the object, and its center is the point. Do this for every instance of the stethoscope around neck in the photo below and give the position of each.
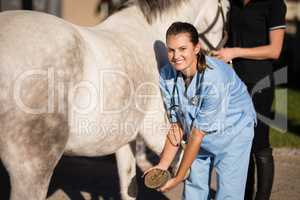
(175, 107)
(194, 100)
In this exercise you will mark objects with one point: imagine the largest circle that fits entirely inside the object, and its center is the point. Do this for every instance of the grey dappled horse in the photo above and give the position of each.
(86, 91)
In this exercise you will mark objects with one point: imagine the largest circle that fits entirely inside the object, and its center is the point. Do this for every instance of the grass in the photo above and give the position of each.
(291, 137)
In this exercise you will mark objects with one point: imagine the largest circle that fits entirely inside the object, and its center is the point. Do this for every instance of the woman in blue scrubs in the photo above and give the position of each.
(208, 104)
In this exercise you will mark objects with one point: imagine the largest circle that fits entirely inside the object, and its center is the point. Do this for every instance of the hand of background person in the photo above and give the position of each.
(225, 54)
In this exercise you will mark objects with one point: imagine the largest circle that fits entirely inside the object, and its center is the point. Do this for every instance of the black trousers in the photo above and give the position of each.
(262, 101)
(261, 153)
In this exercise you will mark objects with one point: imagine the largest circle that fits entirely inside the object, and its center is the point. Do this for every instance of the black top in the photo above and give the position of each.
(249, 26)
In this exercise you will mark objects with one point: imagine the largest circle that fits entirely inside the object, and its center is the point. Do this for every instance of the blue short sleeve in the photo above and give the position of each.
(167, 96)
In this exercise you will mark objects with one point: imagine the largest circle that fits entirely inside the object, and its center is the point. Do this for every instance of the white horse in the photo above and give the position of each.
(86, 91)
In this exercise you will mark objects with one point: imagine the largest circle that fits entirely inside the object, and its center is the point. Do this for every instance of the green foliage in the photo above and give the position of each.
(290, 138)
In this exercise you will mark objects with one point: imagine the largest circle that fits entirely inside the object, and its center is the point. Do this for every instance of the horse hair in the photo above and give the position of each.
(153, 8)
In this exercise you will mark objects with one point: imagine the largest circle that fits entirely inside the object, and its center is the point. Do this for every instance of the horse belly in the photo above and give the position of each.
(92, 136)
(98, 123)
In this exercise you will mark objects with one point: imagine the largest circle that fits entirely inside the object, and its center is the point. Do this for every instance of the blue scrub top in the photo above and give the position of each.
(221, 106)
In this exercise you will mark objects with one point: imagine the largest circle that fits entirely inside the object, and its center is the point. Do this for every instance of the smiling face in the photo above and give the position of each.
(182, 53)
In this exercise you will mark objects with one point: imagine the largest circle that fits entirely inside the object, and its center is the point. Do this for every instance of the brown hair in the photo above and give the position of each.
(183, 27)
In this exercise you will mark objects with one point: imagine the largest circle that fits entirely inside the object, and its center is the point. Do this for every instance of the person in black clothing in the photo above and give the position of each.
(256, 33)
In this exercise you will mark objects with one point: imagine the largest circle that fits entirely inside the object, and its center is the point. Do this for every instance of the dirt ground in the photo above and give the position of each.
(97, 179)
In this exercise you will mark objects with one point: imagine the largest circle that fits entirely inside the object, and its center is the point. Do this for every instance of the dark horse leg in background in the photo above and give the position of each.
(27, 5)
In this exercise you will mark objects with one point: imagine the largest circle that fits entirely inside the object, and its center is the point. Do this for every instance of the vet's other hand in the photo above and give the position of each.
(225, 54)
(173, 182)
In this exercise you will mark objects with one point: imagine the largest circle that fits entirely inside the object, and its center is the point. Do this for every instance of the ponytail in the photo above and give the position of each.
(201, 61)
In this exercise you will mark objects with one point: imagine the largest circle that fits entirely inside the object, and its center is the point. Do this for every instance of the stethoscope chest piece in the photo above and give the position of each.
(194, 100)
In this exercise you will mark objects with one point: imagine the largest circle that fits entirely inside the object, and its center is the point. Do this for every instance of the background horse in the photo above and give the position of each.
(85, 91)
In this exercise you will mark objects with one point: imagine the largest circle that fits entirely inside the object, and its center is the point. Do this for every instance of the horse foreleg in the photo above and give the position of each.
(155, 139)
(127, 172)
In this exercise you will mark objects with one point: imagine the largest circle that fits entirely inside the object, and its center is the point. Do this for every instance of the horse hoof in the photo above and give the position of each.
(156, 178)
